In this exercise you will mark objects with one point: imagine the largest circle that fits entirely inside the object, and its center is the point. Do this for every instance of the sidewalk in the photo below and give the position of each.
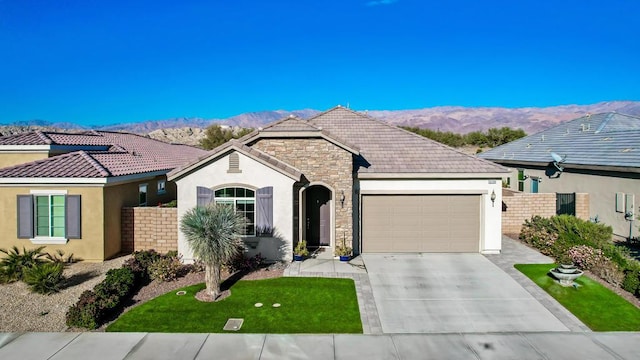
(158, 346)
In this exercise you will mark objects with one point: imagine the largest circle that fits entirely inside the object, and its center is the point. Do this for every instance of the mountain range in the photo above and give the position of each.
(456, 119)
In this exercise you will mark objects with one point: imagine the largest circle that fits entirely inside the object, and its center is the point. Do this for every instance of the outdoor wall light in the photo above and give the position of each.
(493, 198)
(342, 198)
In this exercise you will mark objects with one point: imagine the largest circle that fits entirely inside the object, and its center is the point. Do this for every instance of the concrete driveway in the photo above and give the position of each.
(436, 293)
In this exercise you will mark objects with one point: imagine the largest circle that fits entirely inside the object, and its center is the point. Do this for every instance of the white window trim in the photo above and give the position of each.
(48, 240)
(234, 199)
(164, 187)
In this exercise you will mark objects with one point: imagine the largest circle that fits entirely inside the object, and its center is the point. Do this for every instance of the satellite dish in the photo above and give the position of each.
(557, 160)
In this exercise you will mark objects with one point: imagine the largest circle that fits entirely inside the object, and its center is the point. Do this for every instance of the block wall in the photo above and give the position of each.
(145, 228)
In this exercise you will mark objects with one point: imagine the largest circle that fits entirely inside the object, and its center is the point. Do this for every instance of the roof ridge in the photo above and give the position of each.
(44, 137)
(287, 118)
(335, 108)
(94, 163)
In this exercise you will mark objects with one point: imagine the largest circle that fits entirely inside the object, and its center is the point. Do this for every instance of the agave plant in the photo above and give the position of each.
(44, 278)
(14, 264)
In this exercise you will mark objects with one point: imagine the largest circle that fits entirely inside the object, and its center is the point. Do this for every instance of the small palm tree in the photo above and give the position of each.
(213, 232)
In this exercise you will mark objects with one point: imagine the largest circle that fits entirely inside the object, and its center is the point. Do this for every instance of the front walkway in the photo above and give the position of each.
(353, 269)
(514, 252)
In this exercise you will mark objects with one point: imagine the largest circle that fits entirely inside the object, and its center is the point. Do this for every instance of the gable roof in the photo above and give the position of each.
(387, 149)
(235, 145)
(101, 154)
(606, 140)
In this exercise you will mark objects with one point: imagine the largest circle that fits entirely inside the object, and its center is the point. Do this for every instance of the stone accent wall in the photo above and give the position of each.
(519, 206)
(145, 228)
(320, 161)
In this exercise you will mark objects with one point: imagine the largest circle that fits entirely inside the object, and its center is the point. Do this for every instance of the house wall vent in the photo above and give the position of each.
(234, 163)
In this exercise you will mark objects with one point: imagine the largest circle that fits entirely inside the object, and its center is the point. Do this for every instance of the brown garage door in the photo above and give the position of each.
(421, 223)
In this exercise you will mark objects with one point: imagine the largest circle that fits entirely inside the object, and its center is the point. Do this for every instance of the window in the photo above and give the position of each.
(142, 194)
(162, 187)
(521, 180)
(244, 201)
(255, 206)
(49, 217)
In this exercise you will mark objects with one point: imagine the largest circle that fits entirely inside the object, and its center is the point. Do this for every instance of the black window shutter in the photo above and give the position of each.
(205, 196)
(73, 217)
(25, 216)
(264, 215)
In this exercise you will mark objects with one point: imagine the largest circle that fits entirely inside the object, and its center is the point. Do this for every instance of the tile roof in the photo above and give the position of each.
(288, 124)
(388, 149)
(607, 139)
(247, 150)
(123, 154)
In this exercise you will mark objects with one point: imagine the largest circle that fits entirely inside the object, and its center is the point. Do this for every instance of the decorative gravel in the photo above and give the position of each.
(24, 311)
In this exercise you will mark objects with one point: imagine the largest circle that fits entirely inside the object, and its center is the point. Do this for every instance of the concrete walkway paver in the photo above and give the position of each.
(566, 345)
(514, 252)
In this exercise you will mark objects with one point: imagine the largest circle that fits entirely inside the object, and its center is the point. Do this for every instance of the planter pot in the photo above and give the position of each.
(298, 257)
(344, 257)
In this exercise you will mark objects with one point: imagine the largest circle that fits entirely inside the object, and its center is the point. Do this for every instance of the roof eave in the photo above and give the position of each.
(302, 134)
(611, 168)
(404, 176)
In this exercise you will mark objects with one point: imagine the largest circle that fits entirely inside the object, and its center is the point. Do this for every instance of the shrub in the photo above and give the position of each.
(631, 282)
(166, 268)
(608, 271)
(540, 234)
(15, 263)
(243, 263)
(60, 257)
(592, 234)
(44, 278)
(86, 313)
(584, 256)
(118, 284)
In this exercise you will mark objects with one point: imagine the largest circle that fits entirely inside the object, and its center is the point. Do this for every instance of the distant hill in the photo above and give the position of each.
(444, 118)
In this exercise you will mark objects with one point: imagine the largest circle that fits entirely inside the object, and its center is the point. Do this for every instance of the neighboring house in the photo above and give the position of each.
(66, 190)
(600, 155)
(342, 176)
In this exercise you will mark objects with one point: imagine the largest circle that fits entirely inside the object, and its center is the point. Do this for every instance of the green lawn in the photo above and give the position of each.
(308, 305)
(595, 305)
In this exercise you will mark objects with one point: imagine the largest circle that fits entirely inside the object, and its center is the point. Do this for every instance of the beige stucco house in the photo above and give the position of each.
(66, 190)
(599, 155)
(343, 176)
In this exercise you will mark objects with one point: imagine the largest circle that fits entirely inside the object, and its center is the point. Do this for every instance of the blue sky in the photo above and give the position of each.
(104, 62)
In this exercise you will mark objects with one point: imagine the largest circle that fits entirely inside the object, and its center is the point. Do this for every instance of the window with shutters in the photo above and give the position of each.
(256, 206)
(49, 217)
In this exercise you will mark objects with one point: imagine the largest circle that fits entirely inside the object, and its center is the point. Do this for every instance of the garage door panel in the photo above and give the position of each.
(421, 223)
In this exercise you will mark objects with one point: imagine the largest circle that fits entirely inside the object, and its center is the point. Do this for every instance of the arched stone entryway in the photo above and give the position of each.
(317, 216)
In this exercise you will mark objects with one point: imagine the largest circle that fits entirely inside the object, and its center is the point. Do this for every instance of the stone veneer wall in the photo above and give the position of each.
(521, 206)
(146, 228)
(320, 161)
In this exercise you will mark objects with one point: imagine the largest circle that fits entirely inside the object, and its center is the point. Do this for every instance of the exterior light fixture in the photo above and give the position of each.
(342, 198)
(493, 198)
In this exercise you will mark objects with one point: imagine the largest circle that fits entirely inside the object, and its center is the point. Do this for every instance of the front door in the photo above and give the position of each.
(318, 216)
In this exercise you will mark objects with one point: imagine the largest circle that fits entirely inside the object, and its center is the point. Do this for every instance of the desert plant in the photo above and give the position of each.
(301, 248)
(213, 232)
(343, 250)
(15, 263)
(608, 271)
(44, 278)
(539, 233)
(166, 268)
(59, 257)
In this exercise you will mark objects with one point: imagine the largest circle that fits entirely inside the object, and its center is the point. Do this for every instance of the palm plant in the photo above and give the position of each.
(14, 264)
(213, 233)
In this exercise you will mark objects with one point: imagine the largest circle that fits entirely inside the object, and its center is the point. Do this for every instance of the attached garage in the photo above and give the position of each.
(421, 223)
